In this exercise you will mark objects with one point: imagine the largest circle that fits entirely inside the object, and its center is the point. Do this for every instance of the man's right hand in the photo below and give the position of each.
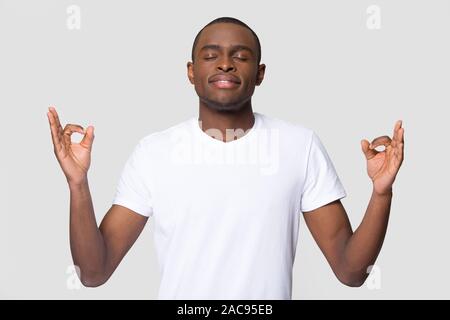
(74, 158)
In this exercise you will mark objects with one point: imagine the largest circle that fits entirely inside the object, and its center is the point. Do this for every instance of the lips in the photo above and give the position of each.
(224, 81)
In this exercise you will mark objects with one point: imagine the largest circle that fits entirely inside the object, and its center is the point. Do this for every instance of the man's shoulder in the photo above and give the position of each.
(165, 135)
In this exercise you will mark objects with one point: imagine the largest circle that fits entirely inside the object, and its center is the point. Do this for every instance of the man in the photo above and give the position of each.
(226, 189)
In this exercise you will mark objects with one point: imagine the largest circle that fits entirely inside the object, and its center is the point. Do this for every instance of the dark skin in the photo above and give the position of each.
(226, 48)
(99, 250)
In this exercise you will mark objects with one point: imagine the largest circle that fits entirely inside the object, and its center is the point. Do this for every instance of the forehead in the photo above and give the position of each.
(226, 34)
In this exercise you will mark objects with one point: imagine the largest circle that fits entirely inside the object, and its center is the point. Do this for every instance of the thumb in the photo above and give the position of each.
(88, 138)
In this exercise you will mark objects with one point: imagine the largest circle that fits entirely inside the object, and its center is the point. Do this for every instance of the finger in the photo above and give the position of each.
(54, 132)
(88, 138)
(400, 150)
(398, 154)
(399, 138)
(401, 135)
(369, 153)
(397, 126)
(68, 130)
(71, 128)
(380, 141)
(55, 115)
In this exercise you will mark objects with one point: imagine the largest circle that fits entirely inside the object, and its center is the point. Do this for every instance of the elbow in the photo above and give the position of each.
(356, 283)
(352, 280)
(93, 281)
(91, 275)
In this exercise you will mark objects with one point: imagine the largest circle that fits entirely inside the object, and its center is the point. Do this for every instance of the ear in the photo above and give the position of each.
(190, 72)
(260, 74)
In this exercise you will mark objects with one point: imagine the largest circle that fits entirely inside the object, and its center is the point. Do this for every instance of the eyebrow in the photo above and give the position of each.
(234, 48)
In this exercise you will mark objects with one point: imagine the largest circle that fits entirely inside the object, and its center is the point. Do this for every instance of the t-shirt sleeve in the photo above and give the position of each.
(322, 184)
(132, 191)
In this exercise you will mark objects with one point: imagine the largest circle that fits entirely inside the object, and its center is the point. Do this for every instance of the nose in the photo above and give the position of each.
(226, 65)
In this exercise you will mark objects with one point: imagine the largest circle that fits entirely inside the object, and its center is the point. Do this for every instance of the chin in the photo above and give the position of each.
(224, 106)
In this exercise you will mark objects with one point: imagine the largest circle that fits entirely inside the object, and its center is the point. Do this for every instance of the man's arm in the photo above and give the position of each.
(351, 253)
(97, 251)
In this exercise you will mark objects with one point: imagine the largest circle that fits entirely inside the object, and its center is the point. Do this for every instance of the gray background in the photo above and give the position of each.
(124, 72)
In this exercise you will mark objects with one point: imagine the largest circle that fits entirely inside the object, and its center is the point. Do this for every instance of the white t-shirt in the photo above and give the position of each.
(227, 214)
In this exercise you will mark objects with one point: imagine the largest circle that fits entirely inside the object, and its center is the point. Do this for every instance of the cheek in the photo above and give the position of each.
(200, 77)
(197, 81)
(251, 81)
(250, 75)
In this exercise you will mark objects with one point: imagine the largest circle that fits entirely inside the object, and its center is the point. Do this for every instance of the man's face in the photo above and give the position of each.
(225, 69)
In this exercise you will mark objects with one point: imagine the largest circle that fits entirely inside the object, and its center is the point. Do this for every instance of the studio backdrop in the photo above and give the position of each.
(346, 69)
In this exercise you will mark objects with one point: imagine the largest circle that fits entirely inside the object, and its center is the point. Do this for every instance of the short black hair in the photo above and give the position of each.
(228, 20)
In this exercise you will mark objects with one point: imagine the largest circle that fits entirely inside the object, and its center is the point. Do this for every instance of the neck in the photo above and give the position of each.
(239, 121)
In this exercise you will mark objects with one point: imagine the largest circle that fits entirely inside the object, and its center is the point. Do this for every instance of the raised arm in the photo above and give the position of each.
(97, 251)
(351, 253)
